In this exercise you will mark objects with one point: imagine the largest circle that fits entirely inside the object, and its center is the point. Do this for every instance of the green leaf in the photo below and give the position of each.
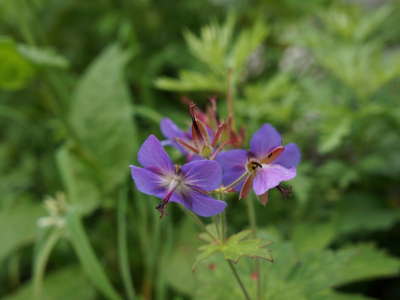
(178, 266)
(331, 295)
(42, 56)
(235, 247)
(101, 117)
(361, 212)
(59, 285)
(367, 262)
(240, 245)
(15, 70)
(246, 44)
(83, 189)
(87, 257)
(22, 219)
(101, 114)
(216, 281)
(332, 139)
(335, 268)
(192, 81)
(308, 237)
(212, 45)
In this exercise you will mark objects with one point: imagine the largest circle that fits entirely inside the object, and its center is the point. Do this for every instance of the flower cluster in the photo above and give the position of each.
(210, 168)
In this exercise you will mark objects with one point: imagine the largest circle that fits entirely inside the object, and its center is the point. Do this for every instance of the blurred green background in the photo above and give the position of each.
(83, 83)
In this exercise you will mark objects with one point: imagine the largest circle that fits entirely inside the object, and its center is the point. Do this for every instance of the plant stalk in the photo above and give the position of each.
(253, 224)
(239, 281)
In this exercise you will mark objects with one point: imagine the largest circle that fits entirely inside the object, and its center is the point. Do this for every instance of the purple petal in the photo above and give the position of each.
(233, 163)
(264, 140)
(153, 156)
(290, 157)
(201, 204)
(170, 130)
(203, 174)
(147, 181)
(270, 176)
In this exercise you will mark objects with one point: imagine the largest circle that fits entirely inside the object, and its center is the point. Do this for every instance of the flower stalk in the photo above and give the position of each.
(238, 280)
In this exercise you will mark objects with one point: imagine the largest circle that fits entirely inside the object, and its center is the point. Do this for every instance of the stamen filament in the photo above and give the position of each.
(243, 176)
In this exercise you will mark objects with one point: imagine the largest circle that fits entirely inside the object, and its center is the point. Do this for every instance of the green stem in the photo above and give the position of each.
(87, 257)
(229, 96)
(199, 222)
(251, 214)
(123, 247)
(41, 262)
(253, 224)
(239, 281)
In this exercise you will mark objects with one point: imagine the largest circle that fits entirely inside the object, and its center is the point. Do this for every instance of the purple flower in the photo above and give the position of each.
(172, 132)
(187, 185)
(264, 167)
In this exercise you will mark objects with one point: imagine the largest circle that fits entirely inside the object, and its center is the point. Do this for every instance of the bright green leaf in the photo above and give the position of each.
(15, 70)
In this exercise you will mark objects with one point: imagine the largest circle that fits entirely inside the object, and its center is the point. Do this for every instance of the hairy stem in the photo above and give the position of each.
(253, 224)
(239, 281)
(199, 222)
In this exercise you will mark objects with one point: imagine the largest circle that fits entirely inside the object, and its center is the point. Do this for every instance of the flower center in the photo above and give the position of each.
(252, 165)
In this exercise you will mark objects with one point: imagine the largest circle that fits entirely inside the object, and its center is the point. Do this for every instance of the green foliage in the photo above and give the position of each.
(222, 57)
(87, 257)
(24, 218)
(235, 247)
(100, 116)
(43, 57)
(324, 72)
(59, 285)
(15, 70)
(309, 274)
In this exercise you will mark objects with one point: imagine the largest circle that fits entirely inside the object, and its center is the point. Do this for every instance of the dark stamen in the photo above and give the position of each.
(255, 165)
(286, 191)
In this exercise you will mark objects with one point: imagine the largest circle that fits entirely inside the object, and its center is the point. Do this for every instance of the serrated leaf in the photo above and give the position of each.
(235, 247)
(240, 245)
(246, 44)
(335, 268)
(367, 262)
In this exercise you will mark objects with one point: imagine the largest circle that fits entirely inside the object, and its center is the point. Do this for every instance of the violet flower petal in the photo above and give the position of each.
(264, 140)
(290, 157)
(148, 182)
(270, 176)
(233, 163)
(202, 174)
(170, 130)
(153, 156)
(201, 204)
